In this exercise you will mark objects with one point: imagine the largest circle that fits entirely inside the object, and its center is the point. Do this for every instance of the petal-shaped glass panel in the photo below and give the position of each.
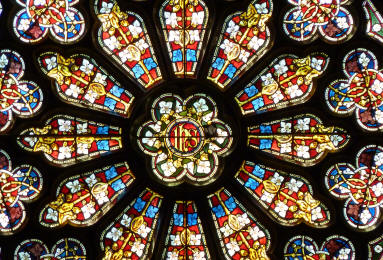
(287, 81)
(302, 139)
(312, 18)
(64, 23)
(375, 249)
(66, 140)
(24, 98)
(123, 36)
(132, 234)
(361, 92)
(240, 234)
(83, 199)
(184, 25)
(244, 39)
(286, 197)
(22, 184)
(80, 81)
(374, 27)
(66, 248)
(186, 239)
(362, 186)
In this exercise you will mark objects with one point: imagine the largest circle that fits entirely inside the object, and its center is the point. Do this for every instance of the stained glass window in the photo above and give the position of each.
(191, 129)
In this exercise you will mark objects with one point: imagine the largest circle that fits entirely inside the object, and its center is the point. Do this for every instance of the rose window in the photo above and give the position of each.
(191, 129)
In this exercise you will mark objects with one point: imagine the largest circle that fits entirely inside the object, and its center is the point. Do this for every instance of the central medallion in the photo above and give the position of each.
(185, 139)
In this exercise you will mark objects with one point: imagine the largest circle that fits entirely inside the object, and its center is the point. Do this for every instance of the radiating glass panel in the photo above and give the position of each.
(132, 234)
(302, 139)
(287, 81)
(244, 39)
(124, 38)
(287, 198)
(240, 234)
(184, 25)
(186, 238)
(80, 81)
(81, 200)
(67, 140)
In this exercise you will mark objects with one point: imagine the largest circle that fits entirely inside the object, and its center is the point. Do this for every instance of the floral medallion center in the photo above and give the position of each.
(185, 139)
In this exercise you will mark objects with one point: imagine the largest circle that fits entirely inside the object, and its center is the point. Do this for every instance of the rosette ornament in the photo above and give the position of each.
(185, 139)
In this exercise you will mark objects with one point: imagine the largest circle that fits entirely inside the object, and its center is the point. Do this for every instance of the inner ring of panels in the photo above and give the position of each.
(227, 217)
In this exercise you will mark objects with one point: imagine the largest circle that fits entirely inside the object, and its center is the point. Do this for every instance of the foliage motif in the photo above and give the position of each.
(361, 186)
(22, 184)
(58, 17)
(361, 92)
(312, 18)
(20, 97)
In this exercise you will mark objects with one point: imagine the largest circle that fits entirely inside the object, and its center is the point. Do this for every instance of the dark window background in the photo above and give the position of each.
(218, 10)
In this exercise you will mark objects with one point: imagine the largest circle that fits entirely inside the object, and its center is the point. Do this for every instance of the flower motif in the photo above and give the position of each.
(281, 208)
(232, 247)
(138, 248)
(294, 185)
(175, 120)
(303, 151)
(74, 186)
(232, 29)
(105, 7)
(267, 79)
(64, 125)
(114, 234)
(4, 220)
(171, 19)
(64, 152)
(256, 233)
(52, 214)
(86, 67)
(281, 67)
(135, 28)
(303, 124)
(172, 255)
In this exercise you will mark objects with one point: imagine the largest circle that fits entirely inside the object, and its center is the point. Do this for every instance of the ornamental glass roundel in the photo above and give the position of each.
(185, 138)
(191, 129)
